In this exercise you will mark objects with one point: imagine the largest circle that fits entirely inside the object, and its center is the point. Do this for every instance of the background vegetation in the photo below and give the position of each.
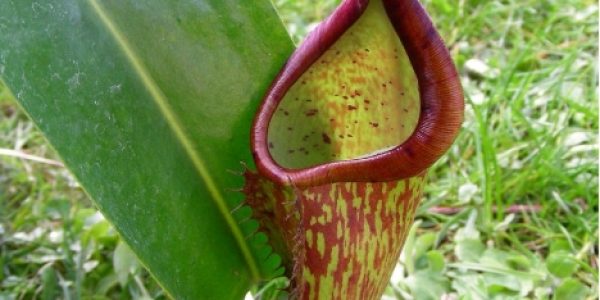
(529, 69)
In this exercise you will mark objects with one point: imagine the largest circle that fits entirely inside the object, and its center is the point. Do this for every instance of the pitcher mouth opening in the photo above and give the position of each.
(371, 95)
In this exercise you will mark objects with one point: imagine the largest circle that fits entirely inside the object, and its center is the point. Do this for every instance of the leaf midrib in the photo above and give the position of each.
(161, 101)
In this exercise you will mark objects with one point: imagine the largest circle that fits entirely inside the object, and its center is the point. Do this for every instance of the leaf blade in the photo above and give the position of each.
(161, 101)
(81, 90)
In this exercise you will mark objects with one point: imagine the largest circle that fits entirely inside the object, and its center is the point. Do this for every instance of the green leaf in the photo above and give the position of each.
(427, 284)
(570, 289)
(559, 245)
(49, 284)
(471, 286)
(444, 6)
(561, 264)
(106, 283)
(506, 285)
(436, 261)
(124, 263)
(149, 104)
(423, 243)
(469, 250)
(519, 262)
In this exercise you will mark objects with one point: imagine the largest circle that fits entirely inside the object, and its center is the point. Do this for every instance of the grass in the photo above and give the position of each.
(530, 137)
